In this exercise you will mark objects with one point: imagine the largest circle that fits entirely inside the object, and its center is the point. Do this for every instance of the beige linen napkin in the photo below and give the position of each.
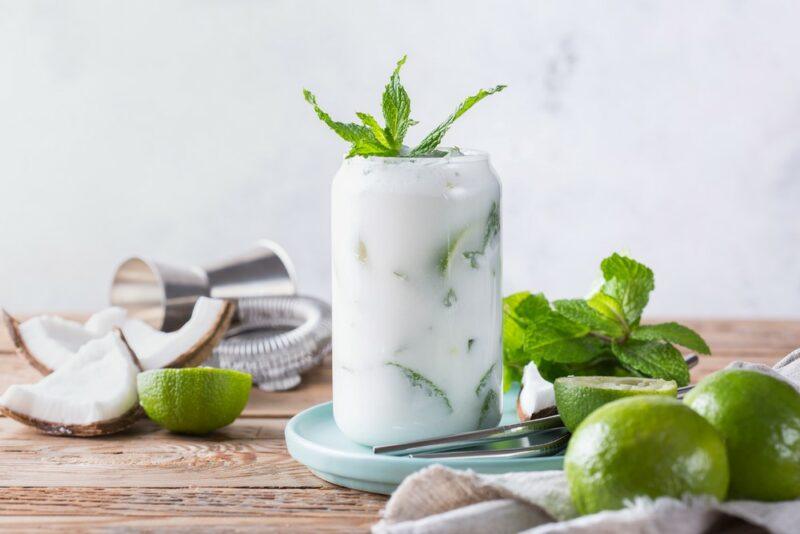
(438, 499)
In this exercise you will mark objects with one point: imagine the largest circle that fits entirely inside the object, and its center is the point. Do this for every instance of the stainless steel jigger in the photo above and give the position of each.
(164, 295)
(275, 336)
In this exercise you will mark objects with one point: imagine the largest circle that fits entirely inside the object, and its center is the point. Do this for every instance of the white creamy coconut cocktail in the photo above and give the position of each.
(417, 311)
(416, 297)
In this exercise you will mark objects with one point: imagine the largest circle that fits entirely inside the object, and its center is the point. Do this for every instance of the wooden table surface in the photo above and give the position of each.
(239, 478)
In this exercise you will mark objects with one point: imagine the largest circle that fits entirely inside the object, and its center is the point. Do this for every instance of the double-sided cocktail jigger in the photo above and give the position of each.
(164, 295)
(275, 336)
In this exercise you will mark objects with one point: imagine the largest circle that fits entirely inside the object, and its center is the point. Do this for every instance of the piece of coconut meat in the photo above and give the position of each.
(537, 395)
(190, 345)
(92, 394)
(47, 342)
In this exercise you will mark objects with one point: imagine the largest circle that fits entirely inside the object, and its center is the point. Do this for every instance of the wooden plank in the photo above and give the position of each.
(355, 521)
(186, 502)
(314, 389)
(249, 453)
(781, 335)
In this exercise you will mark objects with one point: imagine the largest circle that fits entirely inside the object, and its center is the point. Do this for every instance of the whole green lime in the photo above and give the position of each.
(194, 400)
(648, 446)
(578, 396)
(759, 417)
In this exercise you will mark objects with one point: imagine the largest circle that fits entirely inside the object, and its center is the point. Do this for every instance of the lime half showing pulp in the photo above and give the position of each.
(578, 396)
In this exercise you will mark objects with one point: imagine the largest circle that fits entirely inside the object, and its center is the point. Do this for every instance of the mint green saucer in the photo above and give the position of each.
(314, 440)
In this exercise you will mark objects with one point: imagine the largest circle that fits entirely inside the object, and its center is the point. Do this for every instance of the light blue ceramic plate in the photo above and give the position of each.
(313, 439)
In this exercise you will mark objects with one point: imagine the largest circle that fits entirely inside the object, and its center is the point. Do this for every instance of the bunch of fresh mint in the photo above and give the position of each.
(600, 335)
(370, 139)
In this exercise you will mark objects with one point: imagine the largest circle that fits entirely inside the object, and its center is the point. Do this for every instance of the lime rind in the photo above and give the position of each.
(644, 446)
(195, 400)
(759, 417)
(579, 396)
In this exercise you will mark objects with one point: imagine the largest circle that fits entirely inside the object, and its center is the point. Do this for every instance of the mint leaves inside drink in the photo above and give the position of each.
(418, 380)
(599, 335)
(370, 139)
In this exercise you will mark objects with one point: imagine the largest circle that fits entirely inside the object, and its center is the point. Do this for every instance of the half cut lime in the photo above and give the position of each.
(578, 396)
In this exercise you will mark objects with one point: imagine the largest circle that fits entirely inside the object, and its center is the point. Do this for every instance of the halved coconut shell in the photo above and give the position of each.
(12, 325)
(101, 428)
(156, 350)
(58, 339)
(202, 350)
(94, 394)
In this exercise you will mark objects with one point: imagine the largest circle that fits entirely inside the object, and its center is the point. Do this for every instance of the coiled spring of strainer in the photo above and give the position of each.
(275, 339)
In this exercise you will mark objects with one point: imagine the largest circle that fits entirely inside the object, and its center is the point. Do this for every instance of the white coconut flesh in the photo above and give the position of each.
(536, 395)
(51, 341)
(87, 395)
(189, 345)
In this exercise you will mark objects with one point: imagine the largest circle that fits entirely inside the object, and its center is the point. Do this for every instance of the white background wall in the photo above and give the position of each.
(670, 129)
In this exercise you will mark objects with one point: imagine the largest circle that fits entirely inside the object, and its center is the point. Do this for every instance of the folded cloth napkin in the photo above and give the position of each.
(438, 499)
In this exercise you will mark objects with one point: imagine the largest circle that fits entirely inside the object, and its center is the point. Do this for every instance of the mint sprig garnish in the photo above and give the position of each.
(371, 139)
(600, 335)
(433, 139)
(396, 106)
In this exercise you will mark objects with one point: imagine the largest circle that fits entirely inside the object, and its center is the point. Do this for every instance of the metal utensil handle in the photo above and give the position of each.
(548, 448)
(475, 437)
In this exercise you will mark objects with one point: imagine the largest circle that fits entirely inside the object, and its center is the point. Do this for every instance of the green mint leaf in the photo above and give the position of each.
(609, 307)
(489, 406)
(420, 381)
(579, 311)
(511, 374)
(547, 343)
(482, 383)
(489, 234)
(433, 139)
(532, 307)
(511, 302)
(472, 257)
(450, 298)
(369, 146)
(654, 359)
(492, 227)
(445, 258)
(674, 333)
(518, 311)
(396, 107)
(549, 335)
(629, 282)
(350, 132)
(513, 341)
(377, 132)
